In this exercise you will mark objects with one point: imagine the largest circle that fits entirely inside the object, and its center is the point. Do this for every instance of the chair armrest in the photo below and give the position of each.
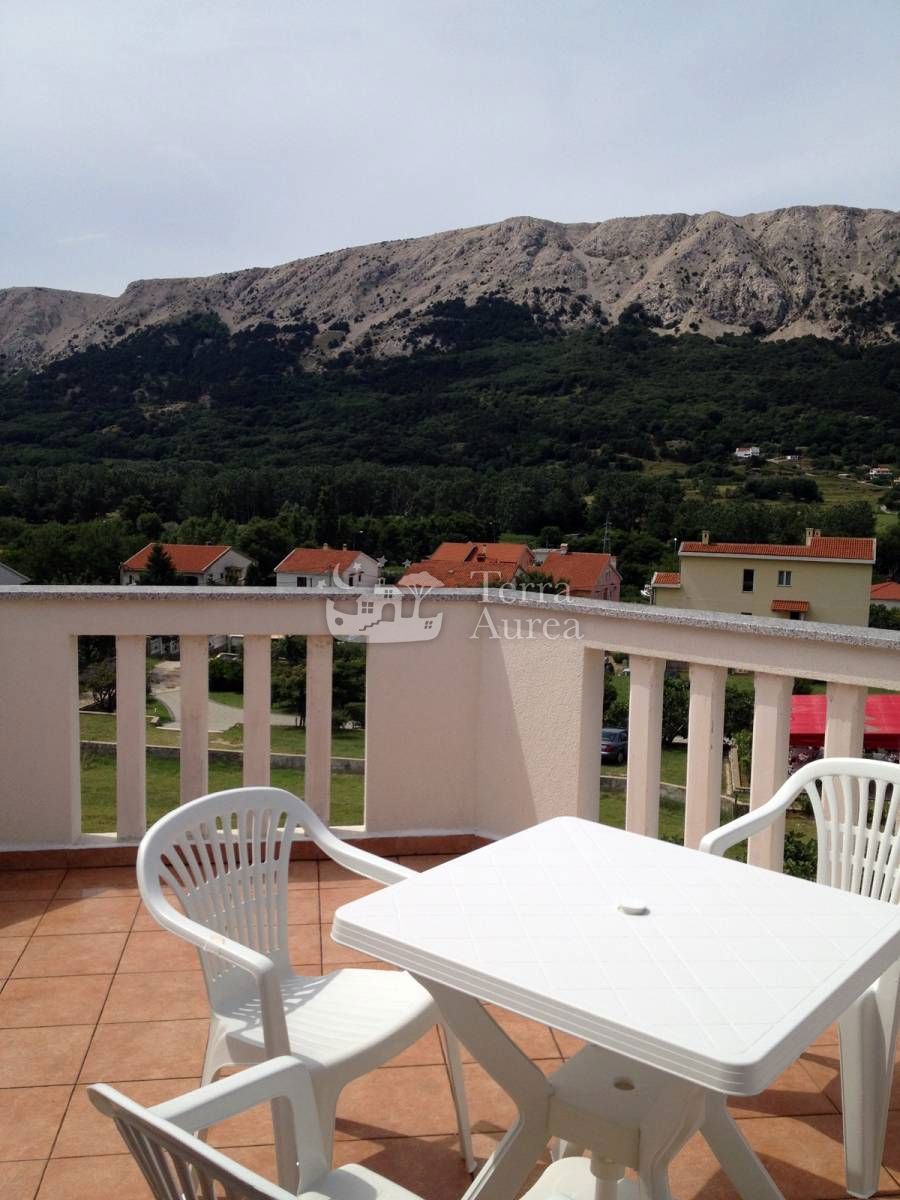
(264, 971)
(276, 1079)
(720, 840)
(361, 862)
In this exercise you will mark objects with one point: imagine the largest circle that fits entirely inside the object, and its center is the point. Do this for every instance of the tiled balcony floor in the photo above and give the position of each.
(94, 990)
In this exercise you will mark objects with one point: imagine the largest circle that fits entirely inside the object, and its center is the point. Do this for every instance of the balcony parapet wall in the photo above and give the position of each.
(488, 728)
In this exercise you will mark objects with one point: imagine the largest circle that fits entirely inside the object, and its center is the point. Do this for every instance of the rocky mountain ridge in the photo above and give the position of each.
(827, 270)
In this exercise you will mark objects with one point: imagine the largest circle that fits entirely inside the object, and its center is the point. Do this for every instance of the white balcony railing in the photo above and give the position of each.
(493, 725)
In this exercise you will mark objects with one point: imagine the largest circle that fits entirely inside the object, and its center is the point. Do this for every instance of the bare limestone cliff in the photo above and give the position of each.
(827, 270)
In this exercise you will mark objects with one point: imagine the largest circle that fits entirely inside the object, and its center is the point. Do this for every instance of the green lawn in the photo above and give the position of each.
(98, 790)
(673, 767)
(231, 699)
(285, 739)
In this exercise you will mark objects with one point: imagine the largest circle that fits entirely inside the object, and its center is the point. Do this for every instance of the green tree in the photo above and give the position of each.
(160, 568)
(676, 700)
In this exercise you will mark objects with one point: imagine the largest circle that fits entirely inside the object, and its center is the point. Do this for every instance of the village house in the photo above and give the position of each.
(471, 564)
(887, 594)
(588, 576)
(745, 452)
(311, 567)
(199, 565)
(827, 579)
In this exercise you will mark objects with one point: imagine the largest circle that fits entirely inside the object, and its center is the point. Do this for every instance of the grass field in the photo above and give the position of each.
(98, 790)
(285, 739)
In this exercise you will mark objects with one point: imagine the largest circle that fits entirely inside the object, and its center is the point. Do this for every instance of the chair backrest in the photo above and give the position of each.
(176, 1165)
(856, 804)
(226, 858)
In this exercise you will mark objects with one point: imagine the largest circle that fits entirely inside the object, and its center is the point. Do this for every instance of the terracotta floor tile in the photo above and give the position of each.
(76, 1000)
(303, 906)
(29, 885)
(829, 1037)
(143, 922)
(83, 882)
(89, 916)
(86, 1132)
(19, 918)
(174, 995)
(533, 1039)
(331, 874)
(29, 1119)
(10, 952)
(396, 1100)
(424, 862)
(304, 945)
(35, 1057)
(158, 951)
(794, 1093)
(891, 1156)
(331, 898)
(568, 1044)
(260, 1159)
(110, 1175)
(303, 874)
(429, 1166)
(150, 1050)
(489, 1106)
(250, 1128)
(804, 1157)
(823, 1064)
(21, 1179)
(423, 1053)
(70, 954)
(334, 954)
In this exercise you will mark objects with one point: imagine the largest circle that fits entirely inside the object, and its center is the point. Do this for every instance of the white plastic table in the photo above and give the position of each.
(697, 977)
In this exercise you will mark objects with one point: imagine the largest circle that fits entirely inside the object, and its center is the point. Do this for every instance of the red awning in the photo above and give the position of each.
(882, 721)
(789, 606)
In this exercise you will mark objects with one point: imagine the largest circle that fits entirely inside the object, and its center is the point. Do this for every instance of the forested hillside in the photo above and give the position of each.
(507, 427)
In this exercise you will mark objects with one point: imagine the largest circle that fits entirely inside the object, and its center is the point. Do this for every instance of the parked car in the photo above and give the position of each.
(614, 745)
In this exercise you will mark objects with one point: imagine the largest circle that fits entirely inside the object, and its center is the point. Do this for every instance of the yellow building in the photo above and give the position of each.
(827, 579)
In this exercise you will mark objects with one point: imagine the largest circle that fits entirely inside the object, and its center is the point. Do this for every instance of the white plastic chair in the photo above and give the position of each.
(856, 805)
(178, 1166)
(226, 858)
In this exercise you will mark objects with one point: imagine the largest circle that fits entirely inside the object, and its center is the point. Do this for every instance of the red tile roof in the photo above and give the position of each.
(188, 560)
(846, 548)
(789, 606)
(316, 561)
(665, 579)
(507, 552)
(460, 574)
(579, 569)
(885, 591)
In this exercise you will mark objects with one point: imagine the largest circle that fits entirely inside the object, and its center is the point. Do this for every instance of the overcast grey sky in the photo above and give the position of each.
(145, 138)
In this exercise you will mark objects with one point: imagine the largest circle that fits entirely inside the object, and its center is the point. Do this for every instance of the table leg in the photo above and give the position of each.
(507, 1169)
(868, 1036)
(736, 1157)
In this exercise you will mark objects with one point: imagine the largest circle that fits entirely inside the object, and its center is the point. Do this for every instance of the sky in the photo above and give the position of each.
(185, 137)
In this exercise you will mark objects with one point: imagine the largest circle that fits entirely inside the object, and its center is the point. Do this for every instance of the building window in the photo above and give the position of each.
(748, 579)
(301, 581)
(784, 579)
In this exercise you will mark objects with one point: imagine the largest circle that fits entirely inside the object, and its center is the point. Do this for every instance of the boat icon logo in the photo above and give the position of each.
(385, 614)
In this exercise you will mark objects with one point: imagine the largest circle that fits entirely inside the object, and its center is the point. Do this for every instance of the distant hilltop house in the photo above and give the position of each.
(746, 452)
(471, 564)
(221, 565)
(9, 576)
(310, 567)
(882, 473)
(887, 594)
(827, 579)
(589, 576)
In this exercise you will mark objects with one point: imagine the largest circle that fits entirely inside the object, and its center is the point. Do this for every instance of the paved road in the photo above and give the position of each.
(165, 685)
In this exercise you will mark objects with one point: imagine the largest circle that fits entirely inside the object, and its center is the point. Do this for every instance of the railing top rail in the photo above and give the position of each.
(794, 631)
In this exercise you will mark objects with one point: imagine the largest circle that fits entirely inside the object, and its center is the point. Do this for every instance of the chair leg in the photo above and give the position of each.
(458, 1091)
(740, 1164)
(326, 1094)
(868, 1034)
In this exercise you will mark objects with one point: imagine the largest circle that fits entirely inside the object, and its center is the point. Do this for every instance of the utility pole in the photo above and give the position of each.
(606, 536)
